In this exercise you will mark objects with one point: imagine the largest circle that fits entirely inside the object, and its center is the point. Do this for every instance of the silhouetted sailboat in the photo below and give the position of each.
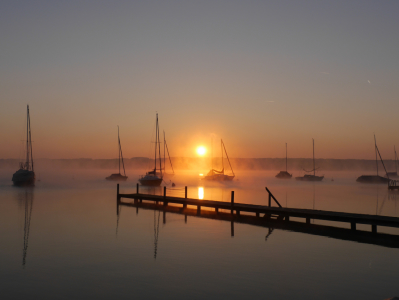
(285, 174)
(26, 175)
(394, 174)
(375, 178)
(220, 175)
(154, 178)
(119, 176)
(309, 177)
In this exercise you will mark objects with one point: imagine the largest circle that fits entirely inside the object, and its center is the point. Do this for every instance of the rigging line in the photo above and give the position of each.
(170, 160)
(228, 158)
(382, 161)
(121, 155)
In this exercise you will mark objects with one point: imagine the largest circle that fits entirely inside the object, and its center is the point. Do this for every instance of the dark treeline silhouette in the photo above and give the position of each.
(188, 163)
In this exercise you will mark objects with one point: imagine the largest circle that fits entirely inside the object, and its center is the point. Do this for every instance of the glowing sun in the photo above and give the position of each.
(201, 150)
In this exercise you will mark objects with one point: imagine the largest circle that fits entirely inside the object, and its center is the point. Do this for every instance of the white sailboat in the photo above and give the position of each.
(155, 176)
(26, 174)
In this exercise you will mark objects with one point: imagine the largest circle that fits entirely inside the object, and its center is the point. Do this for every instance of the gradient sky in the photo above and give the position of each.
(256, 73)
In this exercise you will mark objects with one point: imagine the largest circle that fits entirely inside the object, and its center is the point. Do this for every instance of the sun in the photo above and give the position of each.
(201, 150)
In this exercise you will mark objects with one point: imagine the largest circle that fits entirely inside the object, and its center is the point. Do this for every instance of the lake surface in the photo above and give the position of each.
(62, 239)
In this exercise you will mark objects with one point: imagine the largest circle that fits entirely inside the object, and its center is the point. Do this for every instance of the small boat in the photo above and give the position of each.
(394, 174)
(220, 175)
(285, 174)
(309, 177)
(155, 176)
(119, 176)
(375, 178)
(25, 176)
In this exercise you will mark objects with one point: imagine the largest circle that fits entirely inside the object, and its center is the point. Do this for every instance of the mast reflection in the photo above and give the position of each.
(25, 199)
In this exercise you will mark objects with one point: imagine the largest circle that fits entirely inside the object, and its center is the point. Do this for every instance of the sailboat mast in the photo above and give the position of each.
(286, 158)
(27, 138)
(156, 134)
(119, 152)
(396, 160)
(164, 146)
(314, 166)
(159, 150)
(221, 148)
(375, 147)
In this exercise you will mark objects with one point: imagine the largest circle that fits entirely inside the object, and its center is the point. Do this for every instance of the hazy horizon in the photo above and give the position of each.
(257, 74)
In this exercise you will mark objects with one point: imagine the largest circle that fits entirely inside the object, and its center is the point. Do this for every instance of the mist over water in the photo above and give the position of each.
(78, 248)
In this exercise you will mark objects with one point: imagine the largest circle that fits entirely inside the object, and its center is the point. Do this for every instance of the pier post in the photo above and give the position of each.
(164, 217)
(117, 191)
(232, 228)
(257, 214)
(287, 218)
(307, 220)
(164, 191)
(137, 188)
(353, 226)
(198, 210)
(185, 192)
(232, 203)
(374, 228)
(217, 210)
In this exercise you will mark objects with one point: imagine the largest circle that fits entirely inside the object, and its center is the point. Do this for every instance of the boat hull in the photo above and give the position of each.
(116, 177)
(23, 178)
(219, 177)
(374, 179)
(151, 180)
(284, 175)
(310, 178)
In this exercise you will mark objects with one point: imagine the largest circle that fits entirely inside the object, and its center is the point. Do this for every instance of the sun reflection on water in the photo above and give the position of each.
(201, 193)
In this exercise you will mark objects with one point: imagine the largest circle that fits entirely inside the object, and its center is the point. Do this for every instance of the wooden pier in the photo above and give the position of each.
(261, 212)
(393, 185)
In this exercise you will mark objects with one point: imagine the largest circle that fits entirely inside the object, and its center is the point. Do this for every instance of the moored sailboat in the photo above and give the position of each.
(155, 176)
(220, 175)
(285, 174)
(119, 176)
(375, 178)
(26, 174)
(310, 177)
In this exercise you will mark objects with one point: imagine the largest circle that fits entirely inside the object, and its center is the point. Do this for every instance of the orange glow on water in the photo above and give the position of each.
(200, 192)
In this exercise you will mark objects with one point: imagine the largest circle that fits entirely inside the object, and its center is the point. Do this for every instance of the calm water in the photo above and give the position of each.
(62, 240)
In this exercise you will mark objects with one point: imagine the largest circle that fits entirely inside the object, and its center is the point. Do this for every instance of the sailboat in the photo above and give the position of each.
(119, 176)
(220, 175)
(375, 178)
(285, 174)
(394, 174)
(26, 174)
(310, 177)
(154, 178)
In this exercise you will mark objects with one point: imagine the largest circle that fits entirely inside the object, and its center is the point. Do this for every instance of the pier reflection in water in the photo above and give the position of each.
(381, 239)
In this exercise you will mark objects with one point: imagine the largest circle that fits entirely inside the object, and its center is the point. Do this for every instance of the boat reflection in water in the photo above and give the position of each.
(25, 199)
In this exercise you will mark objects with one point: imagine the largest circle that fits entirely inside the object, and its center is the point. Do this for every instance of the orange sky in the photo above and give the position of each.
(257, 76)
